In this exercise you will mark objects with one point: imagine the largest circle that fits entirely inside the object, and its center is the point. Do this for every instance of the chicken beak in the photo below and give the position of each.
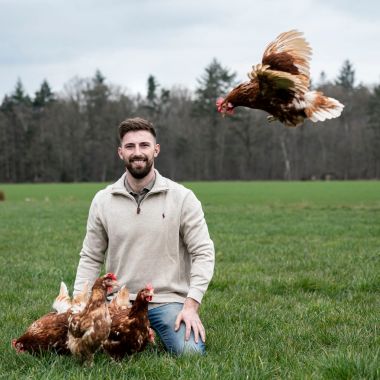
(151, 294)
(113, 287)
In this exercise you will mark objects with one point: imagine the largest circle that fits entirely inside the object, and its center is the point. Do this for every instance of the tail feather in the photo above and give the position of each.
(121, 299)
(80, 300)
(320, 107)
(62, 303)
(63, 289)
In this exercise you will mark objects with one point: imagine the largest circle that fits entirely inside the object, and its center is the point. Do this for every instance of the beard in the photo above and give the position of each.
(142, 170)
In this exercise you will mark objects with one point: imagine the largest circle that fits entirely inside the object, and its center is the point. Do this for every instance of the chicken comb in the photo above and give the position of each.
(111, 276)
(149, 286)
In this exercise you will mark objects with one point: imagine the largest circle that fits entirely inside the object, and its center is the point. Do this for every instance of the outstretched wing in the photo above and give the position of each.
(289, 53)
(277, 85)
(282, 76)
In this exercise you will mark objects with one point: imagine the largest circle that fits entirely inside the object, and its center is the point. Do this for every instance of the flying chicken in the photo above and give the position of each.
(280, 84)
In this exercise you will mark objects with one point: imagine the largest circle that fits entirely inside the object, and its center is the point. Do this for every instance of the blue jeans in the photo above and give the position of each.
(162, 320)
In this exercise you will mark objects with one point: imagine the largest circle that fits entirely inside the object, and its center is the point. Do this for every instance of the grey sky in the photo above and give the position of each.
(175, 40)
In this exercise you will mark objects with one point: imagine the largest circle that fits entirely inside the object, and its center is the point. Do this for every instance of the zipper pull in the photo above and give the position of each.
(138, 209)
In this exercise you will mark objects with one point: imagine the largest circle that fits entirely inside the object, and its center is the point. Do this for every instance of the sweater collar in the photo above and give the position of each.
(160, 185)
(145, 189)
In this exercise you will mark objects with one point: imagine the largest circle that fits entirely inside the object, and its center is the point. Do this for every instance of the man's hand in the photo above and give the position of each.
(189, 315)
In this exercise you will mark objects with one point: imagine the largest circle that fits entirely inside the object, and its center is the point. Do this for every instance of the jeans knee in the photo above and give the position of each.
(186, 348)
(192, 348)
(181, 346)
(163, 320)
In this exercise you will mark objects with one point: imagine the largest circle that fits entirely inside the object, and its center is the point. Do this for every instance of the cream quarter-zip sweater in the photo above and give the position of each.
(165, 241)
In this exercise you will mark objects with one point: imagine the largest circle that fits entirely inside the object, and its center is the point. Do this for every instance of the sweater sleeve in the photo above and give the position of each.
(199, 244)
(93, 250)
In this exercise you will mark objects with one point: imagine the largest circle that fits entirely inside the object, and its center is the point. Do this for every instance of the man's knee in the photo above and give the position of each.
(180, 346)
(190, 347)
(163, 320)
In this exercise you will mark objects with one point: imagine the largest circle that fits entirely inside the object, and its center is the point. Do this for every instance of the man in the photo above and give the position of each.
(147, 228)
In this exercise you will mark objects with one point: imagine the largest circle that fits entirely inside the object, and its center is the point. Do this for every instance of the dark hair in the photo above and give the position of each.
(135, 124)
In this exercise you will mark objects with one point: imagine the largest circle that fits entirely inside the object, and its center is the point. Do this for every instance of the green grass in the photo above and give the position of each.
(295, 295)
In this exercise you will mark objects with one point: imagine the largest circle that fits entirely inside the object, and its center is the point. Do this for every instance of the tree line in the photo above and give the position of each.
(72, 136)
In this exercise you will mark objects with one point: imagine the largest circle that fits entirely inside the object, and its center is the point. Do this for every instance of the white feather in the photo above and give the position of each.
(334, 109)
(62, 303)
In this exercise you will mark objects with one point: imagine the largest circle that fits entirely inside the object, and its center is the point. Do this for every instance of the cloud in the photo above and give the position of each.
(175, 40)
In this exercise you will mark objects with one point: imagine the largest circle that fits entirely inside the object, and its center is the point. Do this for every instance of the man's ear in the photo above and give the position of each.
(119, 153)
(156, 150)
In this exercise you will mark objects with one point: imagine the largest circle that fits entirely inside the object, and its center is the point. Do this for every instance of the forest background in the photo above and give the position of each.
(71, 136)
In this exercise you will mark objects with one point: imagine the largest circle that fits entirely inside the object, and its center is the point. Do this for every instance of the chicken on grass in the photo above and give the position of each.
(89, 328)
(49, 333)
(130, 329)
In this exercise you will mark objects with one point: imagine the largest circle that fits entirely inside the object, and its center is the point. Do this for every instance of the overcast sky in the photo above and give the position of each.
(176, 39)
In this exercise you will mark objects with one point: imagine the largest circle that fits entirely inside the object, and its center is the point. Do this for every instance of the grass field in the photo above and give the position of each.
(295, 295)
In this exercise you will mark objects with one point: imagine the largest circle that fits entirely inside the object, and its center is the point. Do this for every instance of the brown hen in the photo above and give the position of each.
(130, 330)
(49, 333)
(280, 85)
(88, 329)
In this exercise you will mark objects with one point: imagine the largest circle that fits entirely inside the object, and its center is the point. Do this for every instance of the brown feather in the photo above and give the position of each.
(280, 85)
(88, 329)
(48, 333)
(130, 329)
(119, 302)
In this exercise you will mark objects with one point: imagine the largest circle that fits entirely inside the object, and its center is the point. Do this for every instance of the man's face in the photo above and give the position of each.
(138, 150)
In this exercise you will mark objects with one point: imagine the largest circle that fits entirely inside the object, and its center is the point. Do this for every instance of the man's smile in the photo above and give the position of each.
(138, 162)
